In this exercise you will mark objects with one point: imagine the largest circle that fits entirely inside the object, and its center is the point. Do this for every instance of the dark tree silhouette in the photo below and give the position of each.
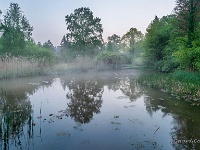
(85, 100)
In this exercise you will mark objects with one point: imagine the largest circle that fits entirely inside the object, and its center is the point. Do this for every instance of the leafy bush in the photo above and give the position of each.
(188, 58)
(167, 65)
(126, 58)
(110, 59)
(35, 51)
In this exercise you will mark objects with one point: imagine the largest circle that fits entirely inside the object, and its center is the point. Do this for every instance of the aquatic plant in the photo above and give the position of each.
(182, 84)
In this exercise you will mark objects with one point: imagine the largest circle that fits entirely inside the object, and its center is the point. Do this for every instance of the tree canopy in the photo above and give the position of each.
(84, 30)
(16, 30)
(187, 12)
(131, 38)
(114, 42)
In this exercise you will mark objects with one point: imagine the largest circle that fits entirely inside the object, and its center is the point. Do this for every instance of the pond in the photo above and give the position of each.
(102, 111)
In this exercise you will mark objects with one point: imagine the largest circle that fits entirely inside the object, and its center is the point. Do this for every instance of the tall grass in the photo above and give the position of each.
(21, 66)
(182, 84)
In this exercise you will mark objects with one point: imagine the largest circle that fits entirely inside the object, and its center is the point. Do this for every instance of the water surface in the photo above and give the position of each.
(101, 111)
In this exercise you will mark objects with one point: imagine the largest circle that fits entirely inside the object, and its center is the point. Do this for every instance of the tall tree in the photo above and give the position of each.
(64, 48)
(64, 43)
(188, 13)
(131, 38)
(48, 45)
(84, 31)
(114, 42)
(16, 30)
(0, 16)
(156, 43)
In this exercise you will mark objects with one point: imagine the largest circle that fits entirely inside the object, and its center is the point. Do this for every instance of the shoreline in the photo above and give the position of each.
(184, 85)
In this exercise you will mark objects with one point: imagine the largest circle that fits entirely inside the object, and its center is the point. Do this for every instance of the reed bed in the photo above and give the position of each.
(180, 84)
(21, 66)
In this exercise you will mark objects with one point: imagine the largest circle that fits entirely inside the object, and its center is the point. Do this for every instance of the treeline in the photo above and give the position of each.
(173, 41)
(84, 39)
(15, 37)
(170, 43)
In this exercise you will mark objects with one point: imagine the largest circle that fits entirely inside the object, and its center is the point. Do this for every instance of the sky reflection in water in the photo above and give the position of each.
(106, 110)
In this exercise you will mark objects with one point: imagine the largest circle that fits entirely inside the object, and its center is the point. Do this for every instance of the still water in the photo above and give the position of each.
(94, 111)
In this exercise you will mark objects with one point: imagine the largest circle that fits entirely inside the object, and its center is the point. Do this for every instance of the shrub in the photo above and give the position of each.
(110, 59)
(188, 58)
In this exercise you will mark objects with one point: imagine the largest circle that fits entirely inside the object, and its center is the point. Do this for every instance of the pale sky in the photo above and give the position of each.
(117, 16)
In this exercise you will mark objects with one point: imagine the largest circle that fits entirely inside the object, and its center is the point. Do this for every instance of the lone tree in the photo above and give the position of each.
(16, 30)
(84, 31)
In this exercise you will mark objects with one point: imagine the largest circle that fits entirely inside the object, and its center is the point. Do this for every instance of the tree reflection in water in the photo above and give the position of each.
(128, 86)
(85, 100)
(86, 95)
(185, 122)
(16, 112)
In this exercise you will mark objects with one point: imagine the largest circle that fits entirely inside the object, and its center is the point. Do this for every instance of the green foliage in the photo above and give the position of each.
(84, 31)
(188, 17)
(35, 51)
(16, 38)
(196, 42)
(109, 59)
(114, 42)
(166, 48)
(131, 38)
(158, 44)
(16, 30)
(48, 45)
(181, 84)
(109, 46)
(189, 58)
(126, 58)
(185, 76)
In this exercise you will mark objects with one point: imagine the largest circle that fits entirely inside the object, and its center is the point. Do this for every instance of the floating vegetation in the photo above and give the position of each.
(85, 142)
(115, 123)
(129, 106)
(64, 134)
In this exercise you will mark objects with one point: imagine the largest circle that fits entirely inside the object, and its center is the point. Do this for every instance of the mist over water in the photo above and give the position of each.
(104, 110)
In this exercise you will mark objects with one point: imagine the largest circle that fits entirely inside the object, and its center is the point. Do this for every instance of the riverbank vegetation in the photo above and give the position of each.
(181, 84)
(170, 45)
(20, 55)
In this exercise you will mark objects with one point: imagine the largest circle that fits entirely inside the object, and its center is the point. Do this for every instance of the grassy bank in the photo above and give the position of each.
(11, 67)
(185, 85)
